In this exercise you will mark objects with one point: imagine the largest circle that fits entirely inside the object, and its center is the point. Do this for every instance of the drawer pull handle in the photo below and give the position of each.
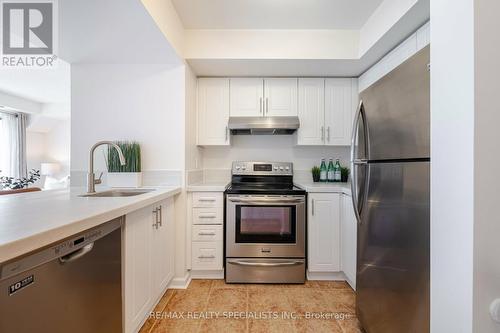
(206, 257)
(211, 216)
(206, 233)
(207, 199)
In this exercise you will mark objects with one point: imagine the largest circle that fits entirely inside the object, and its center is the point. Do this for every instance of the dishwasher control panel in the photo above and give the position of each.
(57, 250)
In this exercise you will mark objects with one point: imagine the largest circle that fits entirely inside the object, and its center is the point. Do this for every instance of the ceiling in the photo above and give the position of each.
(111, 32)
(275, 14)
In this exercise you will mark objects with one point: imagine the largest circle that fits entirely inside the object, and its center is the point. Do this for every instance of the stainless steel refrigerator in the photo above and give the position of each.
(390, 156)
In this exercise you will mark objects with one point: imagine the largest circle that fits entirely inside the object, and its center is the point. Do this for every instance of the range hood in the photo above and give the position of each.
(263, 125)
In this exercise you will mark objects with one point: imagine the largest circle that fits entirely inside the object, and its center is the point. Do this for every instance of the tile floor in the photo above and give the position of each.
(261, 308)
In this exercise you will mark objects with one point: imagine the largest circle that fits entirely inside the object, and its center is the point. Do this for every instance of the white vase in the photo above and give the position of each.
(124, 179)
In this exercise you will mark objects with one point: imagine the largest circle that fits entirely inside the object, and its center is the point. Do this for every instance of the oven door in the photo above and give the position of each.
(265, 226)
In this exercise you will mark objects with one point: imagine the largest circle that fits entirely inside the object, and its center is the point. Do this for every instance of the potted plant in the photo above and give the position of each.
(11, 183)
(315, 173)
(128, 175)
(344, 174)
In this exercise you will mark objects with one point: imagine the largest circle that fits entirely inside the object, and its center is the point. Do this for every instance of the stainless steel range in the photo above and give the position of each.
(265, 225)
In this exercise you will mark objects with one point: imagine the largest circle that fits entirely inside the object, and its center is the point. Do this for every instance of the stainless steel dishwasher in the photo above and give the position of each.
(70, 286)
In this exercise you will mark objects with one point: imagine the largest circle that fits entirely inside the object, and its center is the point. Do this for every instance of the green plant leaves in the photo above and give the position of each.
(132, 153)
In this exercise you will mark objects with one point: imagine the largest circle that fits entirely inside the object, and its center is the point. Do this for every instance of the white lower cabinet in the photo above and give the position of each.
(207, 218)
(324, 232)
(148, 260)
(332, 237)
(348, 240)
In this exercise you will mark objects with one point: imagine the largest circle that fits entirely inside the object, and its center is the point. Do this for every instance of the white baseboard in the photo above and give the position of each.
(326, 276)
(219, 274)
(180, 282)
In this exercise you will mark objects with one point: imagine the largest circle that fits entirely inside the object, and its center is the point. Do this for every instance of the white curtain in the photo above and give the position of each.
(13, 145)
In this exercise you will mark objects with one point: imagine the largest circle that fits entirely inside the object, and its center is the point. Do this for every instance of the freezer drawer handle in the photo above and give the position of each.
(266, 264)
(77, 254)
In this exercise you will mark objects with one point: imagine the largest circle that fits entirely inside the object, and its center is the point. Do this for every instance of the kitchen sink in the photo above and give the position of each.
(118, 193)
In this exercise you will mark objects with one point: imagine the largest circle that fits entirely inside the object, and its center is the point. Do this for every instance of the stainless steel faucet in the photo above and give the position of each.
(91, 180)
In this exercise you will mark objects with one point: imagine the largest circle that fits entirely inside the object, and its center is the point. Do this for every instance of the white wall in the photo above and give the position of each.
(52, 146)
(487, 159)
(194, 157)
(58, 146)
(452, 165)
(128, 102)
(36, 150)
(270, 148)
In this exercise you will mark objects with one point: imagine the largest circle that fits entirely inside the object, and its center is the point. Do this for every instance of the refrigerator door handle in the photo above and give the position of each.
(356, 162)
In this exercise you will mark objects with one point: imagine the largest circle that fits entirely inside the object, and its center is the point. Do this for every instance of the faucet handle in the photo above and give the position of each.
(98, 180)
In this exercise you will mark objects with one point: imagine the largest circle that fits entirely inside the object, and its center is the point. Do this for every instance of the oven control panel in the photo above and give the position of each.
(262, 168)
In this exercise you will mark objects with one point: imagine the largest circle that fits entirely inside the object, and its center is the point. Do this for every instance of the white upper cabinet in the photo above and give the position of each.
(311, 111)
(280, 97)
(247, 97)
(326, 110)
(338, 112)
(213, 111)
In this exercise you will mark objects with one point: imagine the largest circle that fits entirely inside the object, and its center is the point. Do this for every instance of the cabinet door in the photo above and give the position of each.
(247, 97)
(137, 266)
(348, 240)
(280, 97)
(213, 111)
(163, 247)
(311, 112)
(338, 111)
(324, 232)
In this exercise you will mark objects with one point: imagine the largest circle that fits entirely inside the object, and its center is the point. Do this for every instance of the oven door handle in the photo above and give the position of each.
(266, 200)
(265, 264)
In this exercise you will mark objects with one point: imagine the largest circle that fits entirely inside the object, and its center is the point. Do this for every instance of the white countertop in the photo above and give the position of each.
(208, 186)
(312, 187)
(29, 221)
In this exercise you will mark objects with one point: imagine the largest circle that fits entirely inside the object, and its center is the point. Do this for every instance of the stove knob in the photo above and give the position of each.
(287, 168)
(275, 167)
(244, 167)
(281, 168)
(237, 167)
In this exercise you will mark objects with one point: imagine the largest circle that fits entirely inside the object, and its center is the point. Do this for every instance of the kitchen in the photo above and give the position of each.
(232, 109)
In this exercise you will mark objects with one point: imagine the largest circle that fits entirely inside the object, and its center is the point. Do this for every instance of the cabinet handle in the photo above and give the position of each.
(161, 217)
(260, 110)
(206, 233)
(206, 257)
(312, 207)
(328, 133)
(206, 199)
(227, 132)
(155, 211)
(322, 133)
(267, 105)
(207, 216)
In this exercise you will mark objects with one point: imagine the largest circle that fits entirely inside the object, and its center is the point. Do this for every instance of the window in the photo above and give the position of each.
(12, 145)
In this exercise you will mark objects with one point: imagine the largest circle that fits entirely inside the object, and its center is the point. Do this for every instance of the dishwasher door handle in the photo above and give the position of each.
(76, 254)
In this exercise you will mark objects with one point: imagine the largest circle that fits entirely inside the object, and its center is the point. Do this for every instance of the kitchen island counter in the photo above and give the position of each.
(29, 221)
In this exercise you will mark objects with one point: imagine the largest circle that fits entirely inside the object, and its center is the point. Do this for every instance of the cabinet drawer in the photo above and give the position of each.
(207, 233)
(208, 199)
(208, 215)
(207, 256)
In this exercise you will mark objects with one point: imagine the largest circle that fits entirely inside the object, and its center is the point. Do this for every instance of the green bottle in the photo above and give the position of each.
(331, 171)
(337, 174)
(323, 171)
